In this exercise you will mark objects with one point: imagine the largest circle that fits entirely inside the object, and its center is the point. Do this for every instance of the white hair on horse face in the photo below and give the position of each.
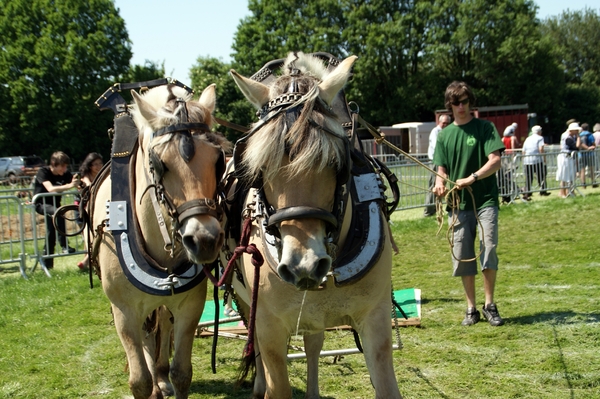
(156, 99)
(306, 64)
(149, 113)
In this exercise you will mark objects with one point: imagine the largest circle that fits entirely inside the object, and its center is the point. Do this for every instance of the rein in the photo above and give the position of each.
(451, 197)
(257, 261)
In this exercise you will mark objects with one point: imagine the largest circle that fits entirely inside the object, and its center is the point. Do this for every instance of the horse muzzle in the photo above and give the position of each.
(202, 238)
(307, 273)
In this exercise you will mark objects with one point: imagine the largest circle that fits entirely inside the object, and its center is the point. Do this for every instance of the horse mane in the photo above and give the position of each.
(314, 141)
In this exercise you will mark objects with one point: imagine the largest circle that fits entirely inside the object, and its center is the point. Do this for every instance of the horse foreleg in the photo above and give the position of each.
(272, 339)
(376, 335)
(313, 345)
(162, 354)
(186, 322)
(129, 328)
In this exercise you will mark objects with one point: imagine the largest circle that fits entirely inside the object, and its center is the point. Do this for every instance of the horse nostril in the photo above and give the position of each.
(323, 266)
(285, 273)
(190, 242)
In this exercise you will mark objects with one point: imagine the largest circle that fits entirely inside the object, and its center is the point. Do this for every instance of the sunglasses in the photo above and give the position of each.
(458, 102)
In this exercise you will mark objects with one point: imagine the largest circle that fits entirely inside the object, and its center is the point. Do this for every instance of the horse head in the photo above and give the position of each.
(300, 153)
(183, 162)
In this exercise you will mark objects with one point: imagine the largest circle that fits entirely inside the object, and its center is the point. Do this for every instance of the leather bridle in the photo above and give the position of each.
(191, 208)
(290, 103)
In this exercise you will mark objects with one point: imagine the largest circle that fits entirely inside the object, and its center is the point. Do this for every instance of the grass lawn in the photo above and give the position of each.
(58, 340)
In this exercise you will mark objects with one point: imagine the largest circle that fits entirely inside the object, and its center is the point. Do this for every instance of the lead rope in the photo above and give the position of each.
(257, 261)
(451, 197)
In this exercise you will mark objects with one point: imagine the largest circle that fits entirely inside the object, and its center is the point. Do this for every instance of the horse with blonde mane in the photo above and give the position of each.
(163, 223)
(316, 209)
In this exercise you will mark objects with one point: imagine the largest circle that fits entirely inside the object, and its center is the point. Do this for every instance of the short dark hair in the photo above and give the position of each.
(455, 91)
(59, 158)
(585, 126)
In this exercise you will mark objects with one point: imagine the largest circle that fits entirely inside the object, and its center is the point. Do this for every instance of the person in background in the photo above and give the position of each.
(565, 163)
(54, 178)
(596, 134)
(468, 153)
(88, 170)
(507, 169)
(443, 121)
(509, 139)
(587, 156)
(533, 148)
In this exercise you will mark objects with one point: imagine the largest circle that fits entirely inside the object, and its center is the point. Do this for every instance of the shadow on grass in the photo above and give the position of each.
(565, 369)
(229, 390)
(9, 269)
(568, 317)
(425, 301)
(419, 374)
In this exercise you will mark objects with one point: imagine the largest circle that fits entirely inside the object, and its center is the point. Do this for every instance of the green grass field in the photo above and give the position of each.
(58, 340)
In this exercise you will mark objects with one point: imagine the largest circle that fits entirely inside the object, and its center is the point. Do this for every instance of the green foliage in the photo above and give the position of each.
(575, 36)
(57, 57)
(231, 104)
(409, 51)
(278, 27)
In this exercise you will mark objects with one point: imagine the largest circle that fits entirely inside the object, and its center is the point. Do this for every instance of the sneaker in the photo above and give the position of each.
(490, 312)
(68, 250)
(545, 193)
(471, 317)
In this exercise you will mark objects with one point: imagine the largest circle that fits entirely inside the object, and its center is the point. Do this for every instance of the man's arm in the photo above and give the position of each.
(489, 168)
(59, 189)
(440, 183)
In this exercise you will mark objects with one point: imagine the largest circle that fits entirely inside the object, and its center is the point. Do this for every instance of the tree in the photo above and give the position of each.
(575, 37)
(278, 27)
(410, 50)
(56, 59)
(231, 104)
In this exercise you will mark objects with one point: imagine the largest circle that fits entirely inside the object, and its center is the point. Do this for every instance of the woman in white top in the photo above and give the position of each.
(533, 148)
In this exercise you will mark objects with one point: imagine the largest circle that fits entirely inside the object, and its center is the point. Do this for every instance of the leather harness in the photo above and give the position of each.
(138, 266)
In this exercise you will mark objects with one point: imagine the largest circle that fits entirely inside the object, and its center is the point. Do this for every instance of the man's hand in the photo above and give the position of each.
(439, 190)
(462, 183)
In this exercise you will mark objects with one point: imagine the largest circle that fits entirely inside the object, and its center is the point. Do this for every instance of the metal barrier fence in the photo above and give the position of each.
(512, 177)
(23, 232)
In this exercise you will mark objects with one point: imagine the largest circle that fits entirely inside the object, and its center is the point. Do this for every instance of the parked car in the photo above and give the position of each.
(20, 169)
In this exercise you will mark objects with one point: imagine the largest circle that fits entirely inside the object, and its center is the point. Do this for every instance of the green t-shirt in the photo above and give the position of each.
(463, 150)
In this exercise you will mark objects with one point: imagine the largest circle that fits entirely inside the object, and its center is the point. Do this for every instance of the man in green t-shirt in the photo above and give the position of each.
(468, 154)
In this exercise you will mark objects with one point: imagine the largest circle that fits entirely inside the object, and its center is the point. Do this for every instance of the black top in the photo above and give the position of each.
(44, 174)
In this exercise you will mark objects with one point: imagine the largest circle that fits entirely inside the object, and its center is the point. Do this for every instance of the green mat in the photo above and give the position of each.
(408, 299)
(410, 302)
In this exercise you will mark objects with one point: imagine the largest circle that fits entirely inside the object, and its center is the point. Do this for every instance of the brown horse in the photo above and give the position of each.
(304, 200)
(164, 222)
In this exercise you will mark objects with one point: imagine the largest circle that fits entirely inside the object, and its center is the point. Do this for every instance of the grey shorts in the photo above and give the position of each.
(465, 229)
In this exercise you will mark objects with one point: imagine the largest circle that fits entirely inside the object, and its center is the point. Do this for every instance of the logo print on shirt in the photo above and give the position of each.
(471, 141)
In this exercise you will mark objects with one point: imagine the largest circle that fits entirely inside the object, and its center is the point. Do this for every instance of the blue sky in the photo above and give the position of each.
(179, 31)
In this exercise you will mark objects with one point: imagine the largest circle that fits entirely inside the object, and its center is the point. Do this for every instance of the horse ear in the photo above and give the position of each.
(145, 109)
(208, 98)
(256, 92)
(335, 81)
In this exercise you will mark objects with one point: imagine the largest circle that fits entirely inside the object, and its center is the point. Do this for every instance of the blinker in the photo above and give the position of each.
(186, 146)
